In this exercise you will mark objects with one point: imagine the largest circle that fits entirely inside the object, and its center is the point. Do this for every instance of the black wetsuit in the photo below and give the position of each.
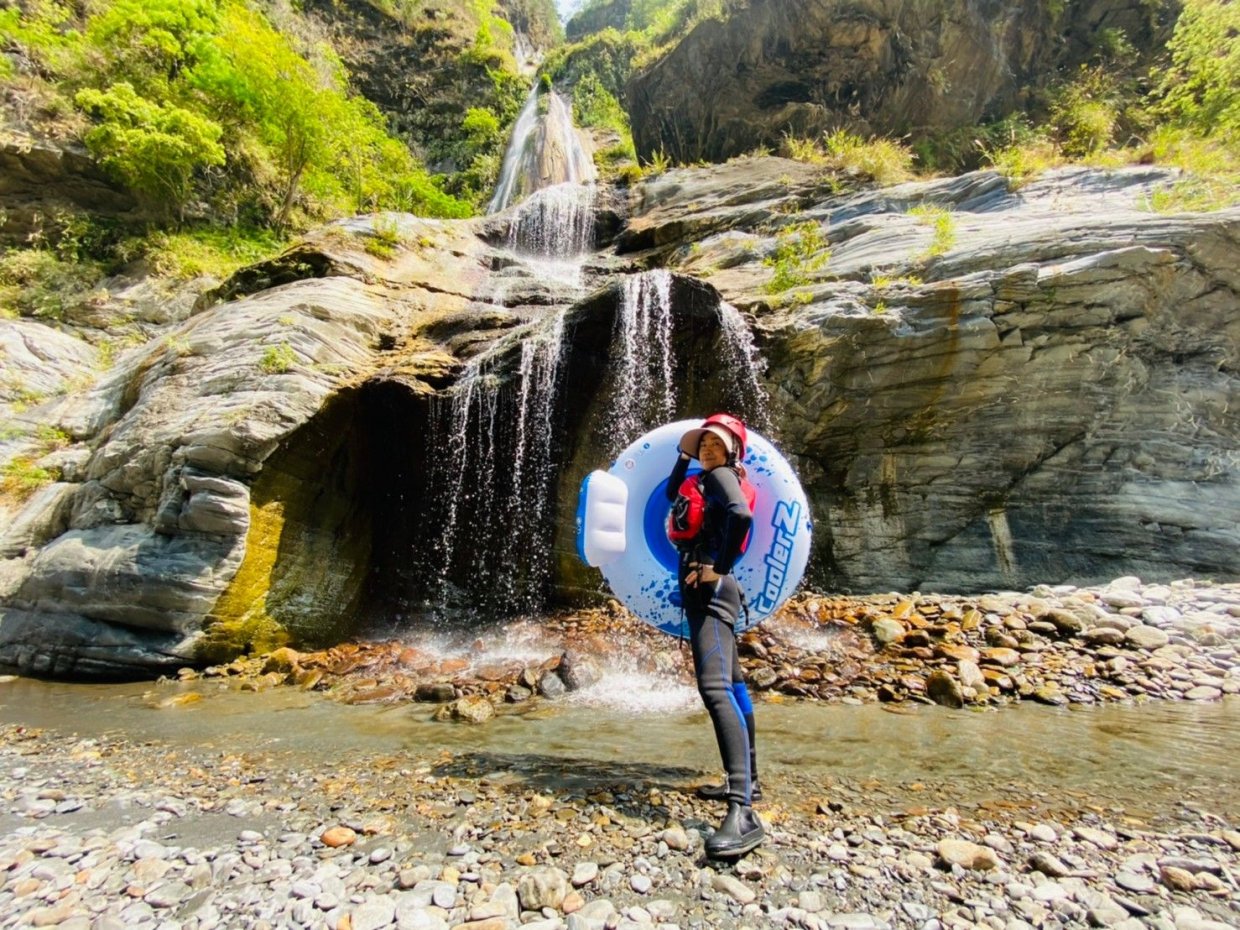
(712, 610)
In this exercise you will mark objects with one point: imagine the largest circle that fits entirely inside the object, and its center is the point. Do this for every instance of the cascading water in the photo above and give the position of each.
(555, 222)
(545, 150)
(747, 362)
(499, 431)
(644, 394)
(492, 487)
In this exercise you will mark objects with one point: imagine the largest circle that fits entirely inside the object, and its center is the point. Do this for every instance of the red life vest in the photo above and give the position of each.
(689, 509)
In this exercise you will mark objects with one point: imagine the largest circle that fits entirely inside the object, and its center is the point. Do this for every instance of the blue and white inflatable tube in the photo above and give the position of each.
(621, 529)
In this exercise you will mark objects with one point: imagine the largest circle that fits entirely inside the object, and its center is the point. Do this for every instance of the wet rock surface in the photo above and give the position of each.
(110, 832)
(1179, 641)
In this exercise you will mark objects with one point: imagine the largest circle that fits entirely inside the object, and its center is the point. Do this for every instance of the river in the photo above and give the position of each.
(1148, 760)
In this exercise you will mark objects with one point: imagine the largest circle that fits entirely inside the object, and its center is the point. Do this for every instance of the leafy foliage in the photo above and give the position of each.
(156, 149)
(883, 161)
(1201, 88)
(205, 102)
(944, 224)
(277, 360)
(800, 250)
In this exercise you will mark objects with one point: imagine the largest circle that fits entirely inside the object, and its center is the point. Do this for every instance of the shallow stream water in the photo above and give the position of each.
(1146, 761)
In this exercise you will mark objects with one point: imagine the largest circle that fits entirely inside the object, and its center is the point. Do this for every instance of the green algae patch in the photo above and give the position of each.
(241, 622)
(308, 549)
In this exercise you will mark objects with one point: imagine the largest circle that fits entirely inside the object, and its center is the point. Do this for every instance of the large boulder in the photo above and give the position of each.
(41, 178)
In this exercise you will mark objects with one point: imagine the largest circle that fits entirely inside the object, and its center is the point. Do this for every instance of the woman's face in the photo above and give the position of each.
(712, 452)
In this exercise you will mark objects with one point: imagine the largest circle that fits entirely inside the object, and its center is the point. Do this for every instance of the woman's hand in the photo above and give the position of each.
(701, 574)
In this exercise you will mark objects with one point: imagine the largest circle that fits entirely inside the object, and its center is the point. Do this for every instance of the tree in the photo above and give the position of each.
(154, 148)
(1201, 89)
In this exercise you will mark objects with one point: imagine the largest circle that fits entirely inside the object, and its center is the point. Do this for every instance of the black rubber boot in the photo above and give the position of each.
(740, 832)
(720, 792)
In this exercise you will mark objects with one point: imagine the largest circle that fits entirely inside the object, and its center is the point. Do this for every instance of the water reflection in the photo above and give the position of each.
(1155, 755)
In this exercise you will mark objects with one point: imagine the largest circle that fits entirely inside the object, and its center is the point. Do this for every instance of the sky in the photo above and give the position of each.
(568, 8)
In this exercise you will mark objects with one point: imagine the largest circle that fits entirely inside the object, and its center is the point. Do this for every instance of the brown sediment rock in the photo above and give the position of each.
(817, 647)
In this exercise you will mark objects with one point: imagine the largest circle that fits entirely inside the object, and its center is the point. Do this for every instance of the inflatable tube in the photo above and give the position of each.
(621, 529)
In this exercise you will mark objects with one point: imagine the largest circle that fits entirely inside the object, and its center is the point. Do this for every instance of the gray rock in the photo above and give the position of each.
(551, 685)
(856, 921)
(1136, 882)
(1047, 864)
(584, 873)
(1203, 693)
(733, 887)
(1147, 637)
(765, 59)
(971, 676)
(1073, 304)
(812, 901)
(374, 915)
(579, 670)
(1103, 839)
(1103, 636)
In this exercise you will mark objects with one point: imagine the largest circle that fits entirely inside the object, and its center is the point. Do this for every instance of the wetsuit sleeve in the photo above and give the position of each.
(723, 485)
(677, 477)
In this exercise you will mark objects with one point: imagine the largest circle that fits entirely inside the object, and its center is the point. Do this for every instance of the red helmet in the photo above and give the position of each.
(724, 422)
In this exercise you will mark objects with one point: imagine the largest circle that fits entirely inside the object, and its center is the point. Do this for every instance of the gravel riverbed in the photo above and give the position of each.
(110, 831)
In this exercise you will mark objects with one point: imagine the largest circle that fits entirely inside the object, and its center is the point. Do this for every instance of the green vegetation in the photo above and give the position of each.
(883, 161)
(192, 102)
(385, 237)
(206, 250)
(598, 66)
(1200, 90)
(43, 283)
(944, 225)
(657, 25)
(800, 251)
(1185, 114)
(277, 360)
(20, 477)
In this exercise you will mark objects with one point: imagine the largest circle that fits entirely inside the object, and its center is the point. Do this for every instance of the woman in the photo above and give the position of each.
(711, 518)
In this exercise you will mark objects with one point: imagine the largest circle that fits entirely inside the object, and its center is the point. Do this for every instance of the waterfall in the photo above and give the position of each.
(492, 489)
(556, 221)
(644, 393)
(491, 500)
(747, 361)
(545, 150)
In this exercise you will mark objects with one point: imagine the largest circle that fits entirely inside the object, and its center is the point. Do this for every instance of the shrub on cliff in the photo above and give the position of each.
(203, 106)
(1200, 90)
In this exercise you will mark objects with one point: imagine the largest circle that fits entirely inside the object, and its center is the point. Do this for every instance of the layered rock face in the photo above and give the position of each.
(1038, 384)
(999, 388)
(40, 178)
(779, 67)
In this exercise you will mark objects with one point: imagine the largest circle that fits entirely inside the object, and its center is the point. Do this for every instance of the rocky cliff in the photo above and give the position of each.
(798, 67)
(981, 387)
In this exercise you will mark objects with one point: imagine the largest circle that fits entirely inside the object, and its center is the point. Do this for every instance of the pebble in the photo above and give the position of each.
(1138, 883)
(459, 850)
(734, 888)
(1043, 833)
